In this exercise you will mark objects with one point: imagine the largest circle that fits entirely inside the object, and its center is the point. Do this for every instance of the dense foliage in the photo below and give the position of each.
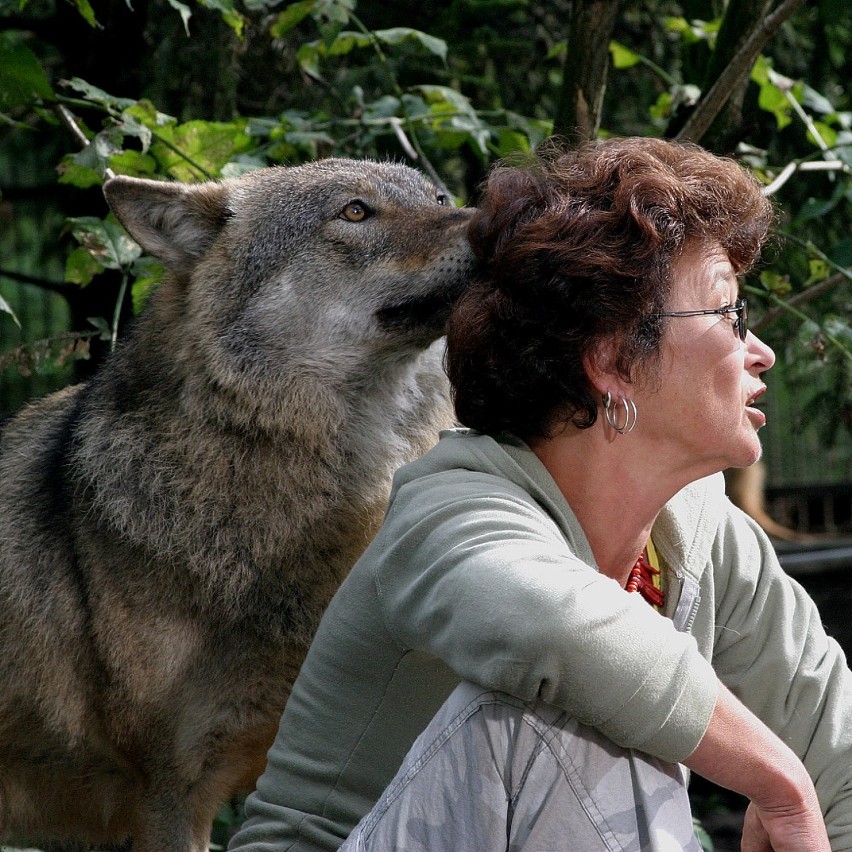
(181, 91)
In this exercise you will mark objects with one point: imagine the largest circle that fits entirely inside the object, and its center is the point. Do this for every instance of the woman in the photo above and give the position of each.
(572, 558)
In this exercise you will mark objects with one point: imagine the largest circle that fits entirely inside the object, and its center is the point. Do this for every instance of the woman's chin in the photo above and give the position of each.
(751, 454)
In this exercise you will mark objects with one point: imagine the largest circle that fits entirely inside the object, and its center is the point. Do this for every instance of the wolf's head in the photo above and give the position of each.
(337, 259)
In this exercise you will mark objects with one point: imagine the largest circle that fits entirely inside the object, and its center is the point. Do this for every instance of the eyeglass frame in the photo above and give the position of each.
(740, 308)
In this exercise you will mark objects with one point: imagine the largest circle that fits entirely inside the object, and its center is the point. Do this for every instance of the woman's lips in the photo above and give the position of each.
(755, 413)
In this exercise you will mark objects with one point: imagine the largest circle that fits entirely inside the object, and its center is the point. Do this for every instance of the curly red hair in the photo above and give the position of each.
(576, 248)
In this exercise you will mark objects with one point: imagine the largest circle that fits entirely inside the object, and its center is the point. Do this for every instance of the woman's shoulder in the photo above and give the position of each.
(498, 477)
(467, 465)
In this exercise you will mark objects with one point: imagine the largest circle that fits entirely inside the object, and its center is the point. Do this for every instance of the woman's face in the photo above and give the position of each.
(701, 414)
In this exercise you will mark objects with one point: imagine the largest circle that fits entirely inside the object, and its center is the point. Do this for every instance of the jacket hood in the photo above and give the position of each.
(684, 530)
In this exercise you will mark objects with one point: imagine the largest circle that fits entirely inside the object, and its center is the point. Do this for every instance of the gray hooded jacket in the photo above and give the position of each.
(481, 572)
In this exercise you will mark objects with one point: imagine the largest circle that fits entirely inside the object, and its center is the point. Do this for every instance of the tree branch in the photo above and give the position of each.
(578, 114)
(717, 96)
(409, 145)
(803, 166)
(54, 286)
(801, 298)
(70, 122)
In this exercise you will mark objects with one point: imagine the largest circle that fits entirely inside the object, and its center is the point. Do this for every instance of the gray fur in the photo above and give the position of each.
(173, 529)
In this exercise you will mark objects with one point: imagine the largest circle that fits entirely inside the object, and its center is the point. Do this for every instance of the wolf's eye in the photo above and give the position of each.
(442, 199)
(355, 211)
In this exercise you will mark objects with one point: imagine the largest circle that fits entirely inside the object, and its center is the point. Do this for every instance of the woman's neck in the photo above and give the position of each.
(614, 491)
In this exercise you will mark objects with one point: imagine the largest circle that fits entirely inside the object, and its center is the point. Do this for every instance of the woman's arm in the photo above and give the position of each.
(740, 753)
(772, 652)
(499, 596)
(473, 573)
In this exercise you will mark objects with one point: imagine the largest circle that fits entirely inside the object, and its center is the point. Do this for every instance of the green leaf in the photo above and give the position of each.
(623, 57)
(818, 271)
(72, 173)
(453, 120)
(333, 11)
(7, 119)
(81, 267)
(77, 169)
(383, 107)
(510, 142)
(129, 126)
(838, 327)
(816, 208)
(22, 78)
(345, 41)
(148, 272)
(308, 138)
(397, 35)
(661, 109)
(812, 99)
(198, 149)
(236, 22)
(331, 16)
(826, 133)
(844, 150)
(536, 130)
(771, 98)
(760, 70)
(229, 12)
(308, 57)
(558, 50)
(309, 54)
(444, 96)
(681, 27)
(291, 17)
(694, 30)
(106, 241)
(102, 326)
(146, 114)
(87, 12)
(414, 106)
(704, 838)
(242, 165)
(133, 163)
(99, 96)
(775, 282)
(6, 308)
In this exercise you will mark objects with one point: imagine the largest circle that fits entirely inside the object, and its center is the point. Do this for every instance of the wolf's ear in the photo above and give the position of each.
(174, 222)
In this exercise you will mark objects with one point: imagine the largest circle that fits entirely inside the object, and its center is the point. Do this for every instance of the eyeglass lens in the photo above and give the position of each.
(742, 319)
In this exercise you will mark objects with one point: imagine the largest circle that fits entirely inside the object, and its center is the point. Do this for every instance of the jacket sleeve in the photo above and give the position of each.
(772, 651)
(478, 575)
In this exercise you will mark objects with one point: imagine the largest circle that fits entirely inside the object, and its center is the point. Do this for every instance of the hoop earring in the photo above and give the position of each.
(611, 413)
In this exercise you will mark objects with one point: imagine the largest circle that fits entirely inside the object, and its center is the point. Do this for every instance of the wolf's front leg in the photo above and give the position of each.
(174, 822)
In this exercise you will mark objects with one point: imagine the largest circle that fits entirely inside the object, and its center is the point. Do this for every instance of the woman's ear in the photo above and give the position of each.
(599, 364)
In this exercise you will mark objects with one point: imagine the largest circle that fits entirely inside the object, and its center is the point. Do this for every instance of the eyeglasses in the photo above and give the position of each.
(739, 308)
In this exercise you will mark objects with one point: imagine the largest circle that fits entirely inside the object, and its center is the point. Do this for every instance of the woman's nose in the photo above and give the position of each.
(760, 355)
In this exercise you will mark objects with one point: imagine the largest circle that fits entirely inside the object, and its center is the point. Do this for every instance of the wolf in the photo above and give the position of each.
(173, 528)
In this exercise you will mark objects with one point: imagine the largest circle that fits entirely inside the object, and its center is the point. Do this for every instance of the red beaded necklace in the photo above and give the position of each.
(641, 579)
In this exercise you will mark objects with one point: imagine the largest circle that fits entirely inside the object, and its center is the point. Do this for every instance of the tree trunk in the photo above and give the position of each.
(741, 18)
(578, 113)
(737, 56)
